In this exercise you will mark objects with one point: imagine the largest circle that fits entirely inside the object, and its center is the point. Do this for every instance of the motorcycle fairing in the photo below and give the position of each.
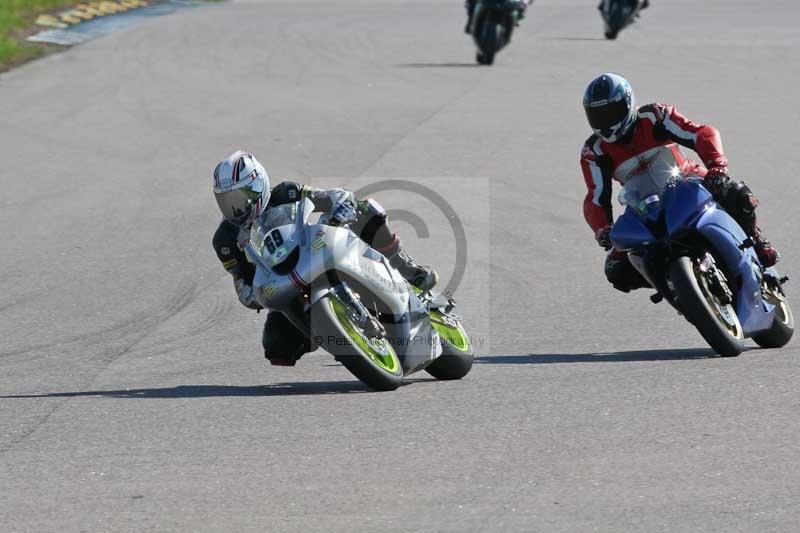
(630, 232)
(683, 203)
(728, 240)
(336, 249)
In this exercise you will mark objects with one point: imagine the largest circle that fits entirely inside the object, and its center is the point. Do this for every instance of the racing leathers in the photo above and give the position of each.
(661, 125)
(283, 343)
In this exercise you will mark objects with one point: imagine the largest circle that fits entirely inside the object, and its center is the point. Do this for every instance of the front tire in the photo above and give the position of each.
(488, 42)
(717, 323)
(372, 360)
(615, 20)
(457, 349)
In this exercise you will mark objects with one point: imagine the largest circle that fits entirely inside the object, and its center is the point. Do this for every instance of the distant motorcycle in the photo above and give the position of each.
(347, 298)
(493, 22)
(617, 14)
(698, 258)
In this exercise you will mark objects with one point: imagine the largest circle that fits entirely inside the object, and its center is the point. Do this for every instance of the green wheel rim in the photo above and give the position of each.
(455, 336)
(379, 351)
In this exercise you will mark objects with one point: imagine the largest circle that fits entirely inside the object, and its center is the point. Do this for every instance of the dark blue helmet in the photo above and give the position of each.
(610, 106)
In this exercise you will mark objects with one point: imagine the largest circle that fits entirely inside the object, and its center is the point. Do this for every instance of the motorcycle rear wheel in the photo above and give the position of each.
(457, 350)
(717, 322)
(782, 327)
(372, 360)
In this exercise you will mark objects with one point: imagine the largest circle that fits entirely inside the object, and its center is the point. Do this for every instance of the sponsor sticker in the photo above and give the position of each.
(317, 244)
(270, 290)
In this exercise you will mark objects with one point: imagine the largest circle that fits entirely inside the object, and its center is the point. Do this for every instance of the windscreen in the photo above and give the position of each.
(273, 217)
(280, 215)
(645, 184)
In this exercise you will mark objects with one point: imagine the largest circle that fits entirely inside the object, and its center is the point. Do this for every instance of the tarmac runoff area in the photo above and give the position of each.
(90, 20)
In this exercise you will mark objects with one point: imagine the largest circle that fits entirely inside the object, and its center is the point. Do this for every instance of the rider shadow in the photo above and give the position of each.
(438, 65)
(310, 388)
(576, 39)
(600, 357)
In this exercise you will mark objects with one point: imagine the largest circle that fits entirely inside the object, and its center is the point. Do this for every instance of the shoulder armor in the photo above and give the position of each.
(588, 150)
(652, 112)
(286, 192)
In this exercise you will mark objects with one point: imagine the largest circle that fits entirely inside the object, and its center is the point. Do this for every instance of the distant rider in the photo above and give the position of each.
(621, 133)
(470, 7)
(241, 188)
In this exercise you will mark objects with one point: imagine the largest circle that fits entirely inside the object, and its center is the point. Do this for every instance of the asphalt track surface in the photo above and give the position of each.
(134, 392)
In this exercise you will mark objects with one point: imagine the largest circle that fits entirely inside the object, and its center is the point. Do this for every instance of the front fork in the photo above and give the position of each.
(714, 277)
(717, 282)
(358, 312)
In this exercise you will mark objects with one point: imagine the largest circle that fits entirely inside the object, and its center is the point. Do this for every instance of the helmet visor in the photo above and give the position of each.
(605, 117)
(237, 204)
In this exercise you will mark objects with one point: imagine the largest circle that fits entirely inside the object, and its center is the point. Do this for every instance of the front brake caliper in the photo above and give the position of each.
(358, 312)
(717, 282)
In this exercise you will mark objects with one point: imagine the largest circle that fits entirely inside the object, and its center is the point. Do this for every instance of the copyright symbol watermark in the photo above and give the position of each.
(443, 222)
(411, 217)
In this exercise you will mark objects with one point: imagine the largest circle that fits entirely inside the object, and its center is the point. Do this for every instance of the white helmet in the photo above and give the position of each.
(241, 187)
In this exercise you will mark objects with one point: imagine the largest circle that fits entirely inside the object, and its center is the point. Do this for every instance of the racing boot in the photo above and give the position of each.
(422, 277)
(767, 254)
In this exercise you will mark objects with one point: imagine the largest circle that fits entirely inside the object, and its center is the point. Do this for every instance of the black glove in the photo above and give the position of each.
(716, 179)
(603, 237)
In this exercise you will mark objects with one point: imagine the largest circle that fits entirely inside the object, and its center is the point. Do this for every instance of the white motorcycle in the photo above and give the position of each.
(349, 300)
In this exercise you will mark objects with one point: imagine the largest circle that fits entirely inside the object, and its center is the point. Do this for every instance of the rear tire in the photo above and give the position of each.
(706, 314)
(782, 327)
(451, 364)
(379, 368)
(457, 350)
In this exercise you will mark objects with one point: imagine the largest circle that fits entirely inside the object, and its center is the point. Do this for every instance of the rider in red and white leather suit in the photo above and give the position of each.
(654, 125)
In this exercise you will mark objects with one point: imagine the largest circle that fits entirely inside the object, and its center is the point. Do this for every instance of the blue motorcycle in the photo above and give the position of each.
(493, 23)
(618, 14)
(698, 258)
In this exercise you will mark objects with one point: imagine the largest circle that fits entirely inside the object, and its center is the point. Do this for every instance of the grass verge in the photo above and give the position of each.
(16, 21)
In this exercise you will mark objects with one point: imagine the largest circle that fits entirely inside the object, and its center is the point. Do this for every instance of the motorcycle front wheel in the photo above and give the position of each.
(488, 43)
(717, 322)
(371, 359)
(615, 20)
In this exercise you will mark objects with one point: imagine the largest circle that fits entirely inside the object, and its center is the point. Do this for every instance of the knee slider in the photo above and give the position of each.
(615, 269)
(281, 340)
(622, 274)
